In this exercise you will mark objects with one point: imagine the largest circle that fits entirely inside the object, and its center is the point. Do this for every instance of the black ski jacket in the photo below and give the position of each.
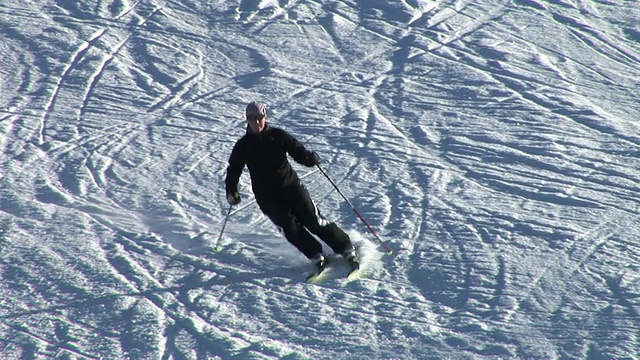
(265, 154)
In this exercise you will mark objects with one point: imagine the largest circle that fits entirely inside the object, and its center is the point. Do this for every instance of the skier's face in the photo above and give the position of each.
(257, 124)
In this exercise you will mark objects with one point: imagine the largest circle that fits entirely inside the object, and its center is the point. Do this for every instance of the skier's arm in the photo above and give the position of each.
(298, 152)
(235, 167)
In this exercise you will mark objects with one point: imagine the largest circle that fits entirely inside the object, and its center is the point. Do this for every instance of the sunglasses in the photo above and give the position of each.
(255, 118)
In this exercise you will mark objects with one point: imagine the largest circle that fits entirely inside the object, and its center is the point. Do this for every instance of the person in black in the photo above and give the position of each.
(278, 190)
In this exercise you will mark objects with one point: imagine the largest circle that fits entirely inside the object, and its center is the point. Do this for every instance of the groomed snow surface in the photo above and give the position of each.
(493, 145)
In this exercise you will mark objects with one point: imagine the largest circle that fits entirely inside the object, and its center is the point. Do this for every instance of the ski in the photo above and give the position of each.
(354, 269)
(321, 267)
(316, 276)
(352, 274)
(313, 277)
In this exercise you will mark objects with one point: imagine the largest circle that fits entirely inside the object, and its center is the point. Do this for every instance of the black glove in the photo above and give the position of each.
(233, 198)
(313, 159)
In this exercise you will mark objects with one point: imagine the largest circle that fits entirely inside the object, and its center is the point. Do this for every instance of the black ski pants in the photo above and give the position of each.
(291, 209)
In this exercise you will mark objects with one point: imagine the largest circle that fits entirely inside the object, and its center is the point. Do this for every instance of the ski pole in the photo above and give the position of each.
(224, 224)
(382, 243)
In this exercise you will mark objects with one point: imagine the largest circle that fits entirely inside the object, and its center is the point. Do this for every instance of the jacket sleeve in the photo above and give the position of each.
(234, 169)
(296, 150)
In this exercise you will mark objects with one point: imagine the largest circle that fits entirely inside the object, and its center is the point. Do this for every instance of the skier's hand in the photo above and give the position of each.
(233, 198)
(313, 159)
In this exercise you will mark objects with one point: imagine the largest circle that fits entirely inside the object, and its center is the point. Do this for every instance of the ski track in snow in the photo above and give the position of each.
(494, 145)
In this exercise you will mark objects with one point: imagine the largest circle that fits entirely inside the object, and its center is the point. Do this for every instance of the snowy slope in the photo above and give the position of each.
(495, 146)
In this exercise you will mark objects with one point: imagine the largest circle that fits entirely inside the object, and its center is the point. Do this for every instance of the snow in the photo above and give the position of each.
(493, 145)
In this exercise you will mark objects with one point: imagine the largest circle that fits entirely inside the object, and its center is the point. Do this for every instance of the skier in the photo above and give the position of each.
(278, 190)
